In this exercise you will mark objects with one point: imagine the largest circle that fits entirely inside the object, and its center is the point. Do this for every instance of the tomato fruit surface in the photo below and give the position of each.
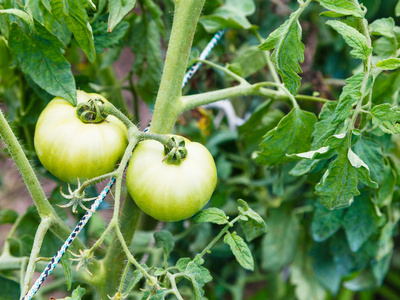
(70, 149)
(169, 192)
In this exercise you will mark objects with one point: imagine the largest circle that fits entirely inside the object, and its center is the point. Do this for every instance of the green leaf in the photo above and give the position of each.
(254, 226)
(289, 51)
(303, 278)
(385, 193)
(77, 294)
(212, 214)
(7, 216)
(389, 64)
(324, 267)
(182, 263)
(338, 185)
(303, 167)
(118, 10)
(250, 59)
(164, 240)
(232, 14)
(199, 276)
(343, 7)
(240, 249)
(360, 222)
(353, 38)
(104, 39)
(292, 135)
(10, 289)
(76, 18)
(371, 153)
(66, 263)
(383, 27)
(20, 14)
(156, 13)
(148, 63)
(280, 244)
(324, 127)
(350, 95)
(362, 169)
(397, 9)
(325, 222)
(385, 117)
(44, 62)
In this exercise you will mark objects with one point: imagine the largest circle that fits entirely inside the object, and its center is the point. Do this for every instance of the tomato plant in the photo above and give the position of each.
(73, 150)
(168, 191)
(296, 101)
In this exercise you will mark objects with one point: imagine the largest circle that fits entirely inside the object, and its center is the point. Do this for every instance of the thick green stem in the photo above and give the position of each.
(28, 175)
(43, 206)
(168, 105)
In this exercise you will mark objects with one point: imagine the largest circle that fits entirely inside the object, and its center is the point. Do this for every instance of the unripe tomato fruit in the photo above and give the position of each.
(70, 149)
(169, 192)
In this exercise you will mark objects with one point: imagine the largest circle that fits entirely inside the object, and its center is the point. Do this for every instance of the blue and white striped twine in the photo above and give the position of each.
(56, 258)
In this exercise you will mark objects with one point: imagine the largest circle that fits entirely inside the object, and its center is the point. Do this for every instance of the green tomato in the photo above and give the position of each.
(71, 149)
(170, 192)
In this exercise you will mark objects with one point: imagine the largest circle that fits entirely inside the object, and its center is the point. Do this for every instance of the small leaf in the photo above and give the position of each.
(182, 263)
(389, 64)
(386, 116)
(77, 294)
(212, 214)
(292, 135)
(383, 27)
(253, 226)
(7, 216)
(76, 18)
(232, 14)
(289, 51)
(20, 14)
(350, 95)
(362, 169)
(240, 249)
(66, 265)
(397, 9)
(338, 185)
(343, 7)
(118, 10)
(353, 38)
(164, 240)
(44, 62)
(370, 152)
(311, 154)
(104, 39)
(199, 276)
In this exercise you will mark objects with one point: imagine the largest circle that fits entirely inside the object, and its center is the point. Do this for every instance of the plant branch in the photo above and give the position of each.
(212, 243)
(192, 101)
(225, 70)
(44, 226)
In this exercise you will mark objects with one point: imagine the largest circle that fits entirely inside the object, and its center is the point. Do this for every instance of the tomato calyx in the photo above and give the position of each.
(76, 198)
(175, 151)
(92, 111)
